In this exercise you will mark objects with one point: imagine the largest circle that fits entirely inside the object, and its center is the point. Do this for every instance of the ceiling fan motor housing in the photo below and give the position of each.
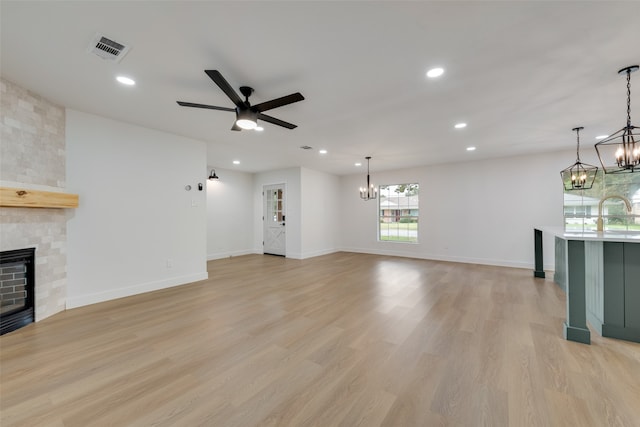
(246, 91)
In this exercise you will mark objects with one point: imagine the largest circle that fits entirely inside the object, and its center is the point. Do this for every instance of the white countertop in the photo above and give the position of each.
(604, 236)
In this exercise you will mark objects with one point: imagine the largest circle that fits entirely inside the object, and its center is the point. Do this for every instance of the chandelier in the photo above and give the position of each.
(369, 192)
(579, 176)
(623, 146)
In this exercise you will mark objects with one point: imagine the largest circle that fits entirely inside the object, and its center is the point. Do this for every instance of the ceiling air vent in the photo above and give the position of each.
(107, 48)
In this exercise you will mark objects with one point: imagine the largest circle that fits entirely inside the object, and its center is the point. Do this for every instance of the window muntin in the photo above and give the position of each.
(398, 207)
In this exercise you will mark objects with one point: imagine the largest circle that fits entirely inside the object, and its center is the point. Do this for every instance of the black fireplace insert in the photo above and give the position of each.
(17, 289)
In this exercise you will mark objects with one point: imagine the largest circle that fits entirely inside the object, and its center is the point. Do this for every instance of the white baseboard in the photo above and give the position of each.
(294, 255)
(109, 295)
(437, 257)
(228, 254)
(313, 254)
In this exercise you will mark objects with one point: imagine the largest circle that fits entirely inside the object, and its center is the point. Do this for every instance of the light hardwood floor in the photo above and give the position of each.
(339, 340)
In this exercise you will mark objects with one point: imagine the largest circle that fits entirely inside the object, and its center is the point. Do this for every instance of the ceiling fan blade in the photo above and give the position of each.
(278, 102)
(225, 86)
(235, 127)
(210, 107)
(275, 121)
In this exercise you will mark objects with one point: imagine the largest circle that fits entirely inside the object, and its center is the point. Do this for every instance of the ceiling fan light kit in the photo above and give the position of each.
(246, 119)
(623, 146)
(247, 115)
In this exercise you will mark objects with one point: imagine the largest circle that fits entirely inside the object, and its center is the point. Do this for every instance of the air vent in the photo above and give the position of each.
(306, 147)
(107, 48)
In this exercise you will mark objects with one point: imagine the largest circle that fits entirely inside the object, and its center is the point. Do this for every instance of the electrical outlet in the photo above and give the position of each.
(169, 263)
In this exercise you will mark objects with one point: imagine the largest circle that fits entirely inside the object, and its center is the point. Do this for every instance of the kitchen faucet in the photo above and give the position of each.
(613, 196)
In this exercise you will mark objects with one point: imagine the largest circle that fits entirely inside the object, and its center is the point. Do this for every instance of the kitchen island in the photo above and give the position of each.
(600, 272)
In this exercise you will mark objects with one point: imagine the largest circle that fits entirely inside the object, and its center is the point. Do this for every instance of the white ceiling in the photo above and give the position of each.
(521, 74)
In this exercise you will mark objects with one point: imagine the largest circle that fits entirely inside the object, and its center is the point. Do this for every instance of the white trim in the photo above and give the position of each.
(314, 254)
(294, 255)
(134, 290)
(229, 254)
(436, 257)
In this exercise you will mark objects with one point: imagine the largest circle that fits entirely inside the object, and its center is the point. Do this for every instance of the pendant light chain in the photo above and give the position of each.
(578, 144)
(628, 98)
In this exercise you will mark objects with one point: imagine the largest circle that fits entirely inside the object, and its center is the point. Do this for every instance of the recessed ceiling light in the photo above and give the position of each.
(435, 72)
(258, 128)
(471, 148)
(322, 151)
(358, 164)
(125, 80)
(601, 136)
(236, 162)
(460, 125)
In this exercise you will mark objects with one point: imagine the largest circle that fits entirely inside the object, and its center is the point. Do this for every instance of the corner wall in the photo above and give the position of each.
(230, 225)
(137, 228)
(321, 220)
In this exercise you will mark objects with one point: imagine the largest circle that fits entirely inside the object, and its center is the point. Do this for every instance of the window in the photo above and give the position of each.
(399, 208)
(581, 207)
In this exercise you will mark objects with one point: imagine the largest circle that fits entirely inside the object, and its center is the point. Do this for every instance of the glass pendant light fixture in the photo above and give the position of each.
(620, 152)
(579, 176)
(369, 192)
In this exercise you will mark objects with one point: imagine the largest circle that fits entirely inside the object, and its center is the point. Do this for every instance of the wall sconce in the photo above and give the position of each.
(213, 175)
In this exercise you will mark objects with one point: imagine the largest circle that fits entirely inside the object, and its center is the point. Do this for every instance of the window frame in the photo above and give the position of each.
(410, 213)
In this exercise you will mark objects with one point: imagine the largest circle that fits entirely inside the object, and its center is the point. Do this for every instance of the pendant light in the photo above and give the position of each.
(622, 147)
(579, 176)
(369, 192)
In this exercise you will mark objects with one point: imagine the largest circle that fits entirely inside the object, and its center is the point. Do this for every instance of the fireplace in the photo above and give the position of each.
(17, 289)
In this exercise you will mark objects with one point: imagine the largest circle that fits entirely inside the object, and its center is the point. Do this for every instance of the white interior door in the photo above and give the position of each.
(274, 220)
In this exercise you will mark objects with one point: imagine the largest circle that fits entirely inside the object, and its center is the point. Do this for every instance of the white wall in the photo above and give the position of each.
(291, 179)
(481, 212)
(230, 224)
(320, 218)
(137, 229)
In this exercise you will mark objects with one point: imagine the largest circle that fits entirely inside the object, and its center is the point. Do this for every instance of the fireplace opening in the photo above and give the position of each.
(17, 289)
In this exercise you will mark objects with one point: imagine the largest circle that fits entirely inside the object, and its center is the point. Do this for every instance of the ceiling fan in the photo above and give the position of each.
(247, 115)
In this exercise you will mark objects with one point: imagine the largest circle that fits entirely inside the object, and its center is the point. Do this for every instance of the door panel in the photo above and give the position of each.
(274, 219)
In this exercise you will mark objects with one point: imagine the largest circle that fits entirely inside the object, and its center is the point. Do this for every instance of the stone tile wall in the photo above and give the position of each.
(32, 154)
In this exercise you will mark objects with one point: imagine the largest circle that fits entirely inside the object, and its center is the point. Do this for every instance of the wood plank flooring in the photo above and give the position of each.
(339, 340)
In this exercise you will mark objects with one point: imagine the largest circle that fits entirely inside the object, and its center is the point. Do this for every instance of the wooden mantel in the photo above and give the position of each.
(26, 198)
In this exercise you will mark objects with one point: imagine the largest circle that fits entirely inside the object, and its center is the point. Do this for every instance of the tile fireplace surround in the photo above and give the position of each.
(32, 155)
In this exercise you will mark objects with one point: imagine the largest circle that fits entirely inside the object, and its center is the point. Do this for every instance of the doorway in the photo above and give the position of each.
(274, 219)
